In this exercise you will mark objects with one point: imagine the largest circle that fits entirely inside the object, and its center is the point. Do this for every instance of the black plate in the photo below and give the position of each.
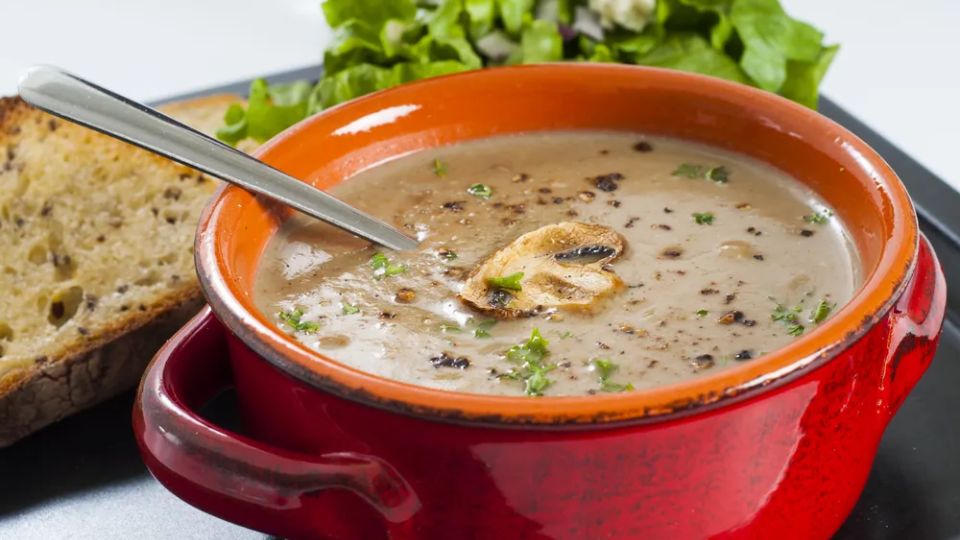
(83, 478)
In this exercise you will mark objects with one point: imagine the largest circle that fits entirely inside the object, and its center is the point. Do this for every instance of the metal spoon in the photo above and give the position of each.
(68, 96)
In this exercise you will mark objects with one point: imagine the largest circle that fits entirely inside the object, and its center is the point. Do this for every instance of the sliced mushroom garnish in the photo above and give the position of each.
(562, 266)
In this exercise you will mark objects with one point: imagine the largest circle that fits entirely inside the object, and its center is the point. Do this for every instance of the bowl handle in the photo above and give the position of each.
(227, 474)
(916, 321)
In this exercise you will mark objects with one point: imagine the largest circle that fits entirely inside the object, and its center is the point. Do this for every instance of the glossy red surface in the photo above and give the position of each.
(789, 462)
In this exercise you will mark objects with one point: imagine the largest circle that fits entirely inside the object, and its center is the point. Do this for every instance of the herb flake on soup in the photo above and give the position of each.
(563, 263)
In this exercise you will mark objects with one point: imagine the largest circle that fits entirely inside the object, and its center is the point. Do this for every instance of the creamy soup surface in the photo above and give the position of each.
(717, 260)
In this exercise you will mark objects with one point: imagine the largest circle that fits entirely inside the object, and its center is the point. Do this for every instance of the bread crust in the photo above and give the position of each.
(50, 390)
(113, 360)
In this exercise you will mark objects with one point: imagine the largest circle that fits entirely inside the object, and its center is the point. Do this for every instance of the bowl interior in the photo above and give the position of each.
(334, 145)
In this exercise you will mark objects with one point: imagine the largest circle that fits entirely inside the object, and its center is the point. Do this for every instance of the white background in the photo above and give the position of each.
(898, 69)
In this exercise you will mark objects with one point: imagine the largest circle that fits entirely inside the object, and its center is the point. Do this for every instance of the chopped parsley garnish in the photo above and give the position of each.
(293, 319)
(702, 312)
(789, 317)
(439, 167)
(719, 174)
(531, 368)
(820, 218)
(689, 170)
(821, 311)
(448, 254)
(450, 328)
(480, 190)
(382, 267)
(605, 369)
(483, 329)
(510, 283)
(349, 309)
(703, 218)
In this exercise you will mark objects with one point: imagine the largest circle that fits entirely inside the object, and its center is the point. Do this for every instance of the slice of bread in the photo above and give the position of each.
(96, 259)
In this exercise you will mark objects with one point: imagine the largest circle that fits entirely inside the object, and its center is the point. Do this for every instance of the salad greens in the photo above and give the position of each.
(379, 44)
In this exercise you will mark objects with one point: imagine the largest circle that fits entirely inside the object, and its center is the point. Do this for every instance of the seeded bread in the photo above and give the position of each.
(96, 260)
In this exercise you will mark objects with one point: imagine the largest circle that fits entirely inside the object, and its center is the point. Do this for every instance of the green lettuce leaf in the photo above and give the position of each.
(692, 52)
(803, 78)
(235, 125)
(481, 14)
(378, 44)
(629, 46)
(770, 39)
(372, 12)
(513, 13)
(270, 110)
(349, 83)
(363, 79)
(541, 42)
(445, 27)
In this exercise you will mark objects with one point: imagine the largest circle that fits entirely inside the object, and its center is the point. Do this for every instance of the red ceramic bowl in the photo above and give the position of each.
(778, 447)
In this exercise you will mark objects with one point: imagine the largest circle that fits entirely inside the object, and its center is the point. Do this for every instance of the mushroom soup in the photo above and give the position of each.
(563, 263)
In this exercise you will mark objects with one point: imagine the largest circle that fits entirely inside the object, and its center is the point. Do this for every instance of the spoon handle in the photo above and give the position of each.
(68, 96)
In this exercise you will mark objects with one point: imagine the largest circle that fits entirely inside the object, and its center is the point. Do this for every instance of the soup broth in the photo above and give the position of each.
(563, 263)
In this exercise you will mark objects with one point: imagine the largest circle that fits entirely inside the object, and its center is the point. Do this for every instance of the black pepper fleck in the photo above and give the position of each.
(447, 360)
(607, 182)
(704, 361)
(643, 146)
(671, 253)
